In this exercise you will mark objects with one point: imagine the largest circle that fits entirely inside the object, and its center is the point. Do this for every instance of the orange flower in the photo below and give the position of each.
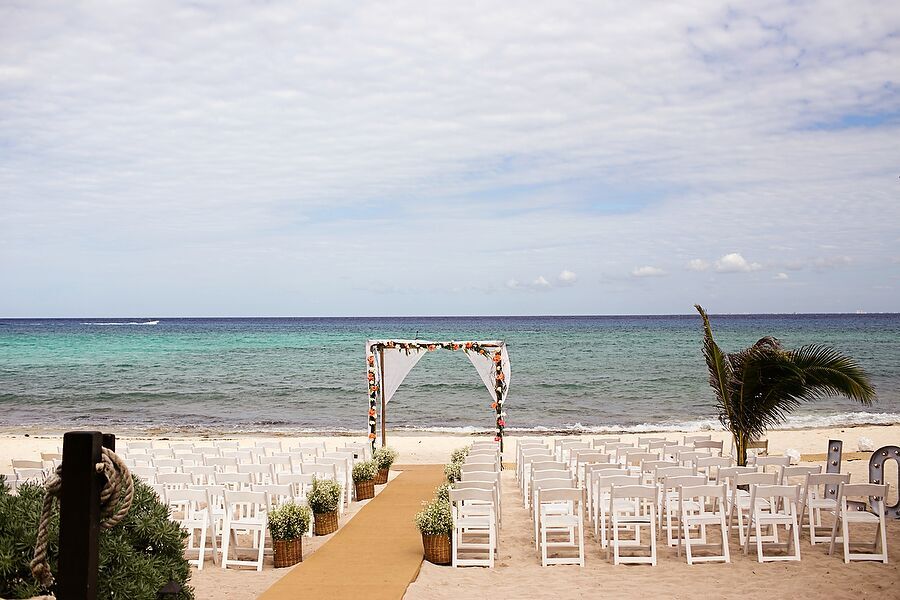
(497, 358)
(371, 360)
(501, 376)
(371, 436)
(468, 344)
(431, 347)
(494, 405)
(371, 376)
(371, 412)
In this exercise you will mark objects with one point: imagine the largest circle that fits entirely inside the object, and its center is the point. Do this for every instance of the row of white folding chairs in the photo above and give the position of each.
(340, 463)
(225, 448)
(227, 512)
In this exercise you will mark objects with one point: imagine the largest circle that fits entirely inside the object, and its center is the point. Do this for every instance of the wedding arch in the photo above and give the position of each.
(388, 362)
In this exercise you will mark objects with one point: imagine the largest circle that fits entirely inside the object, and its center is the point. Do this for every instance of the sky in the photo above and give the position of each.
(213, 158)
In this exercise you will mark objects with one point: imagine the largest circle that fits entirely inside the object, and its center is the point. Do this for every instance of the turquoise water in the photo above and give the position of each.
(568, 373)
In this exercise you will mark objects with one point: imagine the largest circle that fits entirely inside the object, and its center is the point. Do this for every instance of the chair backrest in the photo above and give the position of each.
(260, 473)
(661, 474)
(189, 458)
(234, 481)
(672, 451)
(785, 474)
(661, 444)
(547, 465)
(189, 500)
(551, 474)
(560, 495)
(600, 442)
(176, 446)
(470, 493)
(873, 493)
(138, 445)
(31, 475)
(788, 492)
(768, 479)
(699, 437)
(18, 463)
(175, 463)
(161, 452)
(625, 451)
(726, 474)
(815, 480)
(650, 493)
(207, 450)
(650, 466)
(300, 482)
(481, 476)
(48, 456)
(244, 504)
(672, 483)
(480, 466)
(475, 485)
(318, 469)
(175, 481)
(604, 482)
(636, 458)
(279, 463)
(709, 444)
(146, 474)
(594, 471)
(228, 444)
(612, 447)
(276, 494)
(559, 483)
(243, 457)
(593, 458)
(690, 458)
(718, 492)
(643, 441)
(202, 474)
(222, 463)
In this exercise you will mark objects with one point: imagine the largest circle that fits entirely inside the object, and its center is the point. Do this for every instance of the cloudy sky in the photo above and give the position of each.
(425, 158)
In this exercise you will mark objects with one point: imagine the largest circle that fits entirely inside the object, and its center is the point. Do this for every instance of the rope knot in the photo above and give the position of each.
(115, 502)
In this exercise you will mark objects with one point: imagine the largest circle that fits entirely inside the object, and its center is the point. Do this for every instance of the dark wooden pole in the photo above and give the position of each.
(383, 403)
(79, 516)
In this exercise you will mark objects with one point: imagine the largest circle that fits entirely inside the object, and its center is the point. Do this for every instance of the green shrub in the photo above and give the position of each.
(137, 557)
(324, 496)
(289, 521)
(435, 518)
(365, 470)
(385, 457)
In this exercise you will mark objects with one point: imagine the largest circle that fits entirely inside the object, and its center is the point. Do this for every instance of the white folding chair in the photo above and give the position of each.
(711, 445)
(187, 503)
(202, 474)
(554, 521)
(671, 503)
(599, 443)
(741, 503)
(820, 494)
(867, 508)
(470, 521)
(245, 513)
(778, 507)
(601, 487)
(222, 464)
(764, 462)
(694, 503)
(260, 474)
(638, 510)
(175, 481)
(235, 482)
(690, 439)
(710, 466)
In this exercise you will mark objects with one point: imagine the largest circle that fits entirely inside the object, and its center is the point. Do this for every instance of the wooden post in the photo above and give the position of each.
(383, 403)
(79, 517)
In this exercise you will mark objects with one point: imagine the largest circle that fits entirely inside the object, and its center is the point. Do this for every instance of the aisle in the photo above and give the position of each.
(376, 555)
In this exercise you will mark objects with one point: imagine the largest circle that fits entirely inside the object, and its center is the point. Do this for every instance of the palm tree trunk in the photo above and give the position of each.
(741, 439)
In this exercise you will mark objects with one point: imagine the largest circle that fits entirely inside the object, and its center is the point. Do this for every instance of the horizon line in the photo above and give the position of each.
(458, 316)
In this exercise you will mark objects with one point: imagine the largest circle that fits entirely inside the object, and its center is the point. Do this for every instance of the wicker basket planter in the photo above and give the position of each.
(437, 548)
(288, 552)
(325, 523)
(365, 489)
(382, 476)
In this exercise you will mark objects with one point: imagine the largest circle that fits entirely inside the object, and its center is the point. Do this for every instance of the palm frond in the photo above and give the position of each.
(827, 372)
(720, 369)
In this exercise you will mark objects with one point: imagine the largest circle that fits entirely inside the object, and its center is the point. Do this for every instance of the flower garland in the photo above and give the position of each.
(495, 355)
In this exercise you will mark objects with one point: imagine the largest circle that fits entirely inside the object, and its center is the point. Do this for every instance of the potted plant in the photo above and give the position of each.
(385, 457)
(435, 523)
(323, 499)
(453, 471)
(364, 473)
(287, 524)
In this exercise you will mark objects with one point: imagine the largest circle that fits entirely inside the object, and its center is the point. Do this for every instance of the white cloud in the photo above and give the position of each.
(567, 277)
(698, 264)
(540, 283)
(513, 284)
(735, 263)
(647, 271)
(780, 276)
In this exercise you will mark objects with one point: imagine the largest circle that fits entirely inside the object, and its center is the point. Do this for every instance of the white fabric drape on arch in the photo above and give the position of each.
(397, 365)
(484, 364)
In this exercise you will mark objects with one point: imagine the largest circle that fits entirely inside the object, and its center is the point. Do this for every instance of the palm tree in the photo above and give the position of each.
(757, 387)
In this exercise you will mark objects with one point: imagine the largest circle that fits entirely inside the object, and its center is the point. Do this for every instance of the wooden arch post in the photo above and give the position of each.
(383, 403)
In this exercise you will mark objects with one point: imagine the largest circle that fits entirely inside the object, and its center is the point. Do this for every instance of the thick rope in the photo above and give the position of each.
(114, 506)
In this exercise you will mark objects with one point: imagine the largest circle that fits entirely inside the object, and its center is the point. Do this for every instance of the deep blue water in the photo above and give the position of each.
(308, 373)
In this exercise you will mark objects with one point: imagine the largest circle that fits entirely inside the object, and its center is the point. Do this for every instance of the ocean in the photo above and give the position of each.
(569, 374)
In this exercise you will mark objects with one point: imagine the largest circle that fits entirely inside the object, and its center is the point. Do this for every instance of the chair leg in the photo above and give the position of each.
(202, 547)
(846, 531)
(834, 528)
(262, 546)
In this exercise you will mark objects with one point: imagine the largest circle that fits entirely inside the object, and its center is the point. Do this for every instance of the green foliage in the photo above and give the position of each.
(365, 470)
(442, 492)
(324, 495)
(385, 457)
(757, 387)
(453, 471)
(289, 521)
(435, 518)
(137, 557)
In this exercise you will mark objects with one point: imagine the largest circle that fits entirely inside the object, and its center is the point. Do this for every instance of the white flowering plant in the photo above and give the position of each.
(289, 521)
(385, 457)
(324, 496)
(453, 471)
(435, 518)
(442, 492)
(365, 470)
(459, 455)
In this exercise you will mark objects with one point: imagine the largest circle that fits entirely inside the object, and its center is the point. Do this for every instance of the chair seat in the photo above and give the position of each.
(552, 521)
(474, 522)
(744, 502)
(861, 516)
(822, 503)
